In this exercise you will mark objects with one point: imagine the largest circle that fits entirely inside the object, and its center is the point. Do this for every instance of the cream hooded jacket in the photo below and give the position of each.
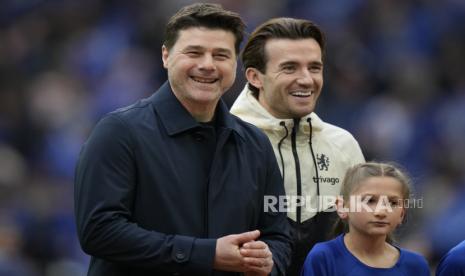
(313, 157)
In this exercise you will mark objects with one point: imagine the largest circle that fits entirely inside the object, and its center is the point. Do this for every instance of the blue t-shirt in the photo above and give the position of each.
(333, 258)
(453, 263)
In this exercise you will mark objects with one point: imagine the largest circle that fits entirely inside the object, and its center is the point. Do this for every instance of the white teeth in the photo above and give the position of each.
(302, 93)
(203, 80)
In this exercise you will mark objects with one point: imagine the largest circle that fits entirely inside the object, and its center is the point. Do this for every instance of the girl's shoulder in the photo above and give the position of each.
(413, 262)
(323, 259)
(327, 251)
(411, 255)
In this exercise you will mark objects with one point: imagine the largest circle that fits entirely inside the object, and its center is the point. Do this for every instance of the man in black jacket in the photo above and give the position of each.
(174, 184)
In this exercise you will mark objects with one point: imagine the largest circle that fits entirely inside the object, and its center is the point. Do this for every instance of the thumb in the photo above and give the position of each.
(246, 237)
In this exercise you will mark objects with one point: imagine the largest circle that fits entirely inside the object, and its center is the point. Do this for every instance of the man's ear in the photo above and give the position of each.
(164, 56)
(254, 77)
(341, 210)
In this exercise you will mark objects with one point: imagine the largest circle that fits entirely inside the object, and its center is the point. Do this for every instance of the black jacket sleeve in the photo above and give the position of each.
(105, 184)
(274, 225)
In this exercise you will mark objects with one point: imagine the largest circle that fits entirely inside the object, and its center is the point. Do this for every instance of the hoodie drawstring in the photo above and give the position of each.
(309, 120)
(283, 124)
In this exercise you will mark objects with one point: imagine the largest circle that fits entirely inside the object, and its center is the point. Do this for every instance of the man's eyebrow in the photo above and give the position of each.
(193, 47)
(288, 62)
(291, 62)
(201, 48)
(223, 50)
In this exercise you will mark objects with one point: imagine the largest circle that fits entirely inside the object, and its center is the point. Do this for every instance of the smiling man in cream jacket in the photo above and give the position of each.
(283, 59)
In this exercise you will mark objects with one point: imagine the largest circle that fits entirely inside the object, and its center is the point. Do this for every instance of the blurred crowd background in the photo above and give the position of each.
(394, 77)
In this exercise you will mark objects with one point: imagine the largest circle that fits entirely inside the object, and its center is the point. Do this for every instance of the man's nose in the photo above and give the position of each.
(207, 63)
(305, 78)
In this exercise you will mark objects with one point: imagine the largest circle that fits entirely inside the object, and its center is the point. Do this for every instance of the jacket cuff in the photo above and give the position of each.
(203, 255)
(194, 254)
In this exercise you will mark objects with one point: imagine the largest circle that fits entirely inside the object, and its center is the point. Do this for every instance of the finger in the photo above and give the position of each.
(257, 262)
(239, 239)
(255, 253)
(255, 245)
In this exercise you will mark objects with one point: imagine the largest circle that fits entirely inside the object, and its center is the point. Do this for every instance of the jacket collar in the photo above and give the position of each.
(250, 110)
(176, 119)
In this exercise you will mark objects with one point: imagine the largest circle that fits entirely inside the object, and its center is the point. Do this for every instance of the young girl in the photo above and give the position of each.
(371, 207)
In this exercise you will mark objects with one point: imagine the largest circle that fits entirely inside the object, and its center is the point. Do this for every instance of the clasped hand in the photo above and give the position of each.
(243, 253)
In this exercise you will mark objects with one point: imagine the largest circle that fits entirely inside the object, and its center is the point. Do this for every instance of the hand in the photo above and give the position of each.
(258, 258)
(227, 256)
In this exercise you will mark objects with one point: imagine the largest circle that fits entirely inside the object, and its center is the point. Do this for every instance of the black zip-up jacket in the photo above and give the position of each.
(154, 189)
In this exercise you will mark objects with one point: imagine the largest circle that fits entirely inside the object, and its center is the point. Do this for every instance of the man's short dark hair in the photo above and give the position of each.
(208, 15)
(254, 55)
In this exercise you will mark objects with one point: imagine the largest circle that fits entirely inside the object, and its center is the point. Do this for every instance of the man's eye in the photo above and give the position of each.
(288, 69)
(221, 56)
(193, 53)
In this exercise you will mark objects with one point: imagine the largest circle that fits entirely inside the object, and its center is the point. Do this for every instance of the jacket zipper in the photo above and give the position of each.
(297, 170)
